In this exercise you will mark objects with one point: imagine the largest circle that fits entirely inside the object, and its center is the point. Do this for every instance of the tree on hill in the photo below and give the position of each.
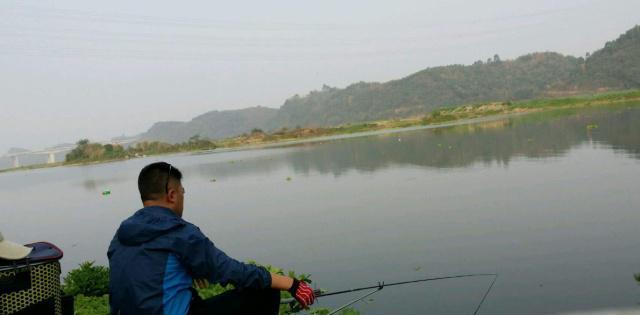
(87, 151)
(526, 77)
(617, 65)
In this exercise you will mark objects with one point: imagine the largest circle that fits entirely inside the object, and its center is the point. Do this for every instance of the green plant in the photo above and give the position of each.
(91, 305)
(88, 280)
(89, 286)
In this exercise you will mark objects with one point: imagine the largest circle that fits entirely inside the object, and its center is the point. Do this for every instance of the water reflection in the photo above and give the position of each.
(536, 136)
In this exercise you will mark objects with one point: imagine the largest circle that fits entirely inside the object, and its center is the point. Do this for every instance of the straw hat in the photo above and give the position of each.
(11, 251)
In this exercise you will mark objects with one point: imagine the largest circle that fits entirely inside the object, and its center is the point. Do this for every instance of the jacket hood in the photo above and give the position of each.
(147, 224)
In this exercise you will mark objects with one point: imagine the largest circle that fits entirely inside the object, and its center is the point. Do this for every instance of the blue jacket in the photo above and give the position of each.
(154, 257)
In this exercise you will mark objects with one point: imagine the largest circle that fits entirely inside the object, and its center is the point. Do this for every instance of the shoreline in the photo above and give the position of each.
(440, 118)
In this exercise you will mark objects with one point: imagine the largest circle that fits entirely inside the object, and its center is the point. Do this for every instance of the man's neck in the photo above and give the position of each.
(159, 203)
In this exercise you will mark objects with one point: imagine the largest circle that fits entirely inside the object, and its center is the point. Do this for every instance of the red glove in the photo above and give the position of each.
(303, 293)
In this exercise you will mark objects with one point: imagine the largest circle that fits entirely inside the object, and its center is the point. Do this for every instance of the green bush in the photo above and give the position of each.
(89, 285)
(88, 280)
(91, 305)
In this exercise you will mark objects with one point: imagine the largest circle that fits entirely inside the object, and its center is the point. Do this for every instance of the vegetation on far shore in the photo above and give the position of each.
(89, 285)
(87, 152)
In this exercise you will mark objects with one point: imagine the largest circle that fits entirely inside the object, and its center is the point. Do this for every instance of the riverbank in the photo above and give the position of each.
(438, 118)
(31, 167)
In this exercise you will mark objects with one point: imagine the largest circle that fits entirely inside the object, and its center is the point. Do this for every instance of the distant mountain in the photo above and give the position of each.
(535, 75)
(617, 65)
(526, 77)
(213, 125)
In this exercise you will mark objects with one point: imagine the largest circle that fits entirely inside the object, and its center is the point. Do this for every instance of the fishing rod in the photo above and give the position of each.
(381, 285)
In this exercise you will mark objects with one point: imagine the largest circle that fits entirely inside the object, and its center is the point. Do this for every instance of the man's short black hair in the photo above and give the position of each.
(153, 180)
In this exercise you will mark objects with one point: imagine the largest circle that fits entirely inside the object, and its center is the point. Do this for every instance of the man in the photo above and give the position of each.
(155, 257)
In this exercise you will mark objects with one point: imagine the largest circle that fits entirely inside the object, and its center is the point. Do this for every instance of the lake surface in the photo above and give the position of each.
(549, 201)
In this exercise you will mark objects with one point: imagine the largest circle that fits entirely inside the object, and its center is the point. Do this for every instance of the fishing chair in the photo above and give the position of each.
(32, 285)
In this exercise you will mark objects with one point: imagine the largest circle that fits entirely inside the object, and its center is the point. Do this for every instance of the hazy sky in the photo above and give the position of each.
(76, 68)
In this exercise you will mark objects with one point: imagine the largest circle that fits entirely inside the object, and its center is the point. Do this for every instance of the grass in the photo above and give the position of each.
(504, 108)
(583, 100)
(91, 305)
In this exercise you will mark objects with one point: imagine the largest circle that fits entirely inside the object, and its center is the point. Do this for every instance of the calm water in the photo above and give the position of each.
(549, 204)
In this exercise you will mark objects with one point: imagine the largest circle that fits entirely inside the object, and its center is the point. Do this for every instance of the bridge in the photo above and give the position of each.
(51, 152)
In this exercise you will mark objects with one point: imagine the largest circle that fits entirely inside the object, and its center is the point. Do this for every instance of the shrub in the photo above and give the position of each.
(89, 285)
(88, 280)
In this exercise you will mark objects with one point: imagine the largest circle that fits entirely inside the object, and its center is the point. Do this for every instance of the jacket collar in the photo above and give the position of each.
(159, 210)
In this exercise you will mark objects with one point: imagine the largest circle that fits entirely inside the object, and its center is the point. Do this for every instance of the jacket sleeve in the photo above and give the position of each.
(203, 260)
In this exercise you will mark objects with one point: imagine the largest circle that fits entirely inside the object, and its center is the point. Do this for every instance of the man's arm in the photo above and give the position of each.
(204, 261)
(298, 289)
(280, 282)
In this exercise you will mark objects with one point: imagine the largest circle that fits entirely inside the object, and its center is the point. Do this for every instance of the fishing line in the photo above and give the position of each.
(382, 285)
(321, 294)
(495, 277)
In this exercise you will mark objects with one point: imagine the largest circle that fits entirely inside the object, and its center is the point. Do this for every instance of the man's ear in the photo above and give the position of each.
(171, 195)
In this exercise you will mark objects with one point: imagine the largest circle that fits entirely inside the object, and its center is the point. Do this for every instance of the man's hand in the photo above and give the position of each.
(303, 293)
(201, 283)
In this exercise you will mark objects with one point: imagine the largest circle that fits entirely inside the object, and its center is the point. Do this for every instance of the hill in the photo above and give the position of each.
(617, 65)
(535, 75)
(213, 125)
(528, 76)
